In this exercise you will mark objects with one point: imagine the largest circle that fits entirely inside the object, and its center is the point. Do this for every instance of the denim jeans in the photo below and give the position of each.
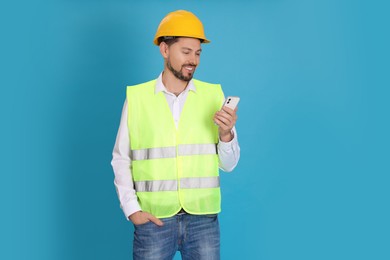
(194, 236)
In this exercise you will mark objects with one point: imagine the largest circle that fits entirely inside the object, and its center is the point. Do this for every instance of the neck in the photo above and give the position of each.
(173, 84)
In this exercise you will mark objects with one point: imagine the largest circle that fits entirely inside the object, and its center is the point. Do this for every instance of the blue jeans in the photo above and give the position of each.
(194, 236)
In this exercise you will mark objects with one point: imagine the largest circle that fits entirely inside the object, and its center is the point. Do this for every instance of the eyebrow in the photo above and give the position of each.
(189, 49)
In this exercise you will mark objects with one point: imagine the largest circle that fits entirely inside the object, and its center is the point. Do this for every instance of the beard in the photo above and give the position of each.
(179, 74)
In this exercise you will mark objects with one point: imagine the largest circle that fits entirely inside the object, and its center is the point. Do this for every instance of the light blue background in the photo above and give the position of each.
(313, 77)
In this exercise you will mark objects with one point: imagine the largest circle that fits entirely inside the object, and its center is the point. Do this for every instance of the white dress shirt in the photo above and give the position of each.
(228, 152)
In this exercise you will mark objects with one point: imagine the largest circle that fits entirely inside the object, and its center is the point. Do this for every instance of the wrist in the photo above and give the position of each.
(133, 215)
(226, 137)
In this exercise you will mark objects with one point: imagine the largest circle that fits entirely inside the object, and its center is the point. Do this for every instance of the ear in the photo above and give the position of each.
(164, 50)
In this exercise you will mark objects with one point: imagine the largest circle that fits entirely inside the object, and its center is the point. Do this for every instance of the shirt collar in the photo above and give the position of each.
(161, 88)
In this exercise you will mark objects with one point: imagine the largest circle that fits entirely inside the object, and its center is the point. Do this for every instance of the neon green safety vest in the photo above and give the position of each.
(175, 168)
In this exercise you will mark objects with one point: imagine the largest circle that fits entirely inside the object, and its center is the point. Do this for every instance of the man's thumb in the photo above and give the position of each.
(155, 220)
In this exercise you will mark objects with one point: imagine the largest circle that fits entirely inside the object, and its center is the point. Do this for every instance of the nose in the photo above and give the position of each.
(194, 59)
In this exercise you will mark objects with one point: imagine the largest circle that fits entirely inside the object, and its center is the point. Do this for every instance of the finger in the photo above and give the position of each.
(225, 118)
(223, 114)
(155, 220)
(226, 111)
(229, 110)
(218, 120)
(222, 125)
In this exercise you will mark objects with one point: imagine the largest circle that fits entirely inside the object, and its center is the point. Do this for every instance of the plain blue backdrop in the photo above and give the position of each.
(313, 77)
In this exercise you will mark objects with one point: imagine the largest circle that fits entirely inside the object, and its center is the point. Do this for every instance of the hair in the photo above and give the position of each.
(169, 40)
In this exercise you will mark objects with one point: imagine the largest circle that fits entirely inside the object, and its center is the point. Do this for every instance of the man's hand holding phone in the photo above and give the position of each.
(226, 118)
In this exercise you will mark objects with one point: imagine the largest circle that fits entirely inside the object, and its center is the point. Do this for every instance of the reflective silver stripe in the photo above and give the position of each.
(163, 185)
(170, 152)
(196, 149)
(153, 153)
(171, 185)
(199, 183)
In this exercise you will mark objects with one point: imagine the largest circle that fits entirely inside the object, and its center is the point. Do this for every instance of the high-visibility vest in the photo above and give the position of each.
(175, 168)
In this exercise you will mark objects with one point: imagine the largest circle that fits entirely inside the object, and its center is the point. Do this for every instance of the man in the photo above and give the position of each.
(172, 138)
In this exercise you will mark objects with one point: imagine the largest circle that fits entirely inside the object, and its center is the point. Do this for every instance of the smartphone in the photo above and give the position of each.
(231, 102)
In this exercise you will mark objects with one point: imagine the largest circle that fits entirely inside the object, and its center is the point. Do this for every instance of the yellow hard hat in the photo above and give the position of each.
(180, 23)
